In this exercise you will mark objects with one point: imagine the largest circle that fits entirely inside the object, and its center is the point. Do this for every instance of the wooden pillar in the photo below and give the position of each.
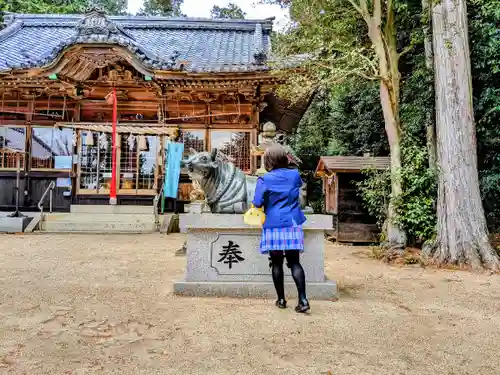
(208, 122)
(27, 152)
(75, 168)
(326, 193)
(254, 137)
(336, 208)
(112, 193)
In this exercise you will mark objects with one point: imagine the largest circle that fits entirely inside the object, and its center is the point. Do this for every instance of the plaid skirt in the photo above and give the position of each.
(290, 238)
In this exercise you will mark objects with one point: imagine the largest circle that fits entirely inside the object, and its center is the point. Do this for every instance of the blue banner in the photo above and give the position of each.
(173, 170)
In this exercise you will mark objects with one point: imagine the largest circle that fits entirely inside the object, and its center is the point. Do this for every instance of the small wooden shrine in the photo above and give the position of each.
(339, 175)
(89, 102)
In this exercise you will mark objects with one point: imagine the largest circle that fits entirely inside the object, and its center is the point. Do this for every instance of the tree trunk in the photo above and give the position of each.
(385, 45)
(462, 234)
(429, 61)
(396, 237)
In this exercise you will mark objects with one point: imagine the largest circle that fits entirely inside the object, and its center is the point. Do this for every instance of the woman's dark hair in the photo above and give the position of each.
(275, 157)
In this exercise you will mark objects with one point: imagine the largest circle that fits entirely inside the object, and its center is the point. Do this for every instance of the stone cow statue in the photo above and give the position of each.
(227, 189)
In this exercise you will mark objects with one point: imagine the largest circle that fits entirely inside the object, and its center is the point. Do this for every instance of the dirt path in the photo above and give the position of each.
(82, 304)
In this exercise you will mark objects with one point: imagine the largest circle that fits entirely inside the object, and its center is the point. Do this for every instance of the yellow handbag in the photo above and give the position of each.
(254, 217)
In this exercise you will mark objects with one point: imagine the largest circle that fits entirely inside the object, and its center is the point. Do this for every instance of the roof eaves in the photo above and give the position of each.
(115, 32)
(333, 163)
(319, 168)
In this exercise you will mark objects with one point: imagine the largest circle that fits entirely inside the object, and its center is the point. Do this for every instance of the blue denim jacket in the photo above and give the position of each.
(278, 191)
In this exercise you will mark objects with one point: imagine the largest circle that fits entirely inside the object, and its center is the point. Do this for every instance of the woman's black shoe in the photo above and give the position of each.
(281, 303)
(303, 306)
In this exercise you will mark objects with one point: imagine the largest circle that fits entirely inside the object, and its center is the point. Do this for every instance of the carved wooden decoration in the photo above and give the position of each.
(96, 23)
(99, 59)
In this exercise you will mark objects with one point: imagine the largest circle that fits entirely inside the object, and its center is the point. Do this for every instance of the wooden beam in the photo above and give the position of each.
(336, 182)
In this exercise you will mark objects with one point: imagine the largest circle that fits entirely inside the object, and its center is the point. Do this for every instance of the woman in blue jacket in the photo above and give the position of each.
(282, 236)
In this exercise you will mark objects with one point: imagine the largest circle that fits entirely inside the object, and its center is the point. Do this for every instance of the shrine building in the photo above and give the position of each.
(75, 87)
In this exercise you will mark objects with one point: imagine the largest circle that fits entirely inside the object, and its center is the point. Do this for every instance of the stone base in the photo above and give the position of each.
(326, 290)
(223, 259)
(14, 224)
(98, 223)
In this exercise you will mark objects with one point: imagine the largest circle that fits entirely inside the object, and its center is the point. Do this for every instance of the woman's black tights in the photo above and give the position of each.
(293, 262)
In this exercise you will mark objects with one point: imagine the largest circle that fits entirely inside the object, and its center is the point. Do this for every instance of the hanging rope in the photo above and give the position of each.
(18, 99)
(2, 108)
(239, 106)
(64, 108)
(3, 99)
(178, 109)
(48, 104)
(33, 106)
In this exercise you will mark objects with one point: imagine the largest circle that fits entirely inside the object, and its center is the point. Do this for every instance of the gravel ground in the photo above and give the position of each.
(90, 304)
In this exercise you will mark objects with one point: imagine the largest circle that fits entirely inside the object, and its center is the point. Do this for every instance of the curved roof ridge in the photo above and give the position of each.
(11, 29)
(140, 21)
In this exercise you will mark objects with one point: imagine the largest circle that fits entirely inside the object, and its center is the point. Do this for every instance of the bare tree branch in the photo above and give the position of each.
(346, 73)
(356, 6)
(364, 7)
(405, 50)
(377, 12)
(369, 78)
(361, 8)
(370, 62)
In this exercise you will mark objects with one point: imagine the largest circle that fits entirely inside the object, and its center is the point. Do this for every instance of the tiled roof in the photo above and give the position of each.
(206, 45)
(351, 163)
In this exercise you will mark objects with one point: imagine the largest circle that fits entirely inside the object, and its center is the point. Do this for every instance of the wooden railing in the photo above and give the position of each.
(155, 205)
(49, 190)
(8, 159)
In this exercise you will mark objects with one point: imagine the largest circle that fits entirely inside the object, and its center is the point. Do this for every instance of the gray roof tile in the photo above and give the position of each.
(208, 45)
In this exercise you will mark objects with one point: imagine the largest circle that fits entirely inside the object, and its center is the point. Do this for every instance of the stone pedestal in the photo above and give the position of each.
(223, 259)
(14, 224)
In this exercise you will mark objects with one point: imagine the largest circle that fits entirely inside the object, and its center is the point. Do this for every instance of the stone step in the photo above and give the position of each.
(34, 224)
(64, 226)
(169, 223)
(98, 223)
(111, 209)
(14, 224)
(89, 217)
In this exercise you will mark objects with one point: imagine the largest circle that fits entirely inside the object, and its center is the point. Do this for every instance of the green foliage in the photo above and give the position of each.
(333, 35)
(357, 120)
(161, 8)
(230, 11)
(314, 133)
(347, 121)
(312, 140)
(112, 7)
(417, 99)
(351, 115)
(375, 191)
(43, 6)
(484, 18)
(416, 206)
